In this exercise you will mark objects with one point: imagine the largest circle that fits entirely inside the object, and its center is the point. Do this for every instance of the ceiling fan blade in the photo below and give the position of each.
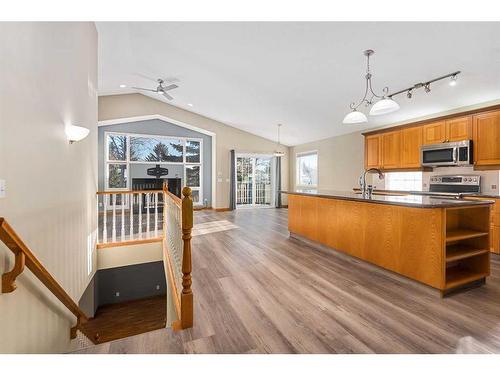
(141, 88)
(167, 96)
(170, 87)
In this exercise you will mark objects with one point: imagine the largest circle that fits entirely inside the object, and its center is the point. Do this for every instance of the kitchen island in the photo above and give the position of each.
(443, 243)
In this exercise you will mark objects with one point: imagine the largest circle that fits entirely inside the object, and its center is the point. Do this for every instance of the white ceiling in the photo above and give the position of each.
(303, 75)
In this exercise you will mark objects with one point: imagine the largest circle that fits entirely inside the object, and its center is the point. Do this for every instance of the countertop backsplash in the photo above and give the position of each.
(490, 180)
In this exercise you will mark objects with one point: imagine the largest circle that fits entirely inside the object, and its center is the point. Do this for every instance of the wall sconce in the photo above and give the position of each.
(76, 133)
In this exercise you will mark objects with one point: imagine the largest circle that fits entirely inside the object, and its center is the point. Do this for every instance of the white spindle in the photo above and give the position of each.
(105, 220)
(113, 229)
(148, 204)
(139, 196)
(123, 217)
(156, 213)
(131, 214)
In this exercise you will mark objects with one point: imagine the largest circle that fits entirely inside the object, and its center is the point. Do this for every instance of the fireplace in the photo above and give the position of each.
(174, 186)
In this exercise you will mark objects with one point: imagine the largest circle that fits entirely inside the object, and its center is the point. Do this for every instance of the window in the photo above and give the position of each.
(403, 181)
(124, 149)
(193, 151)
(149, 149)
(307, 169)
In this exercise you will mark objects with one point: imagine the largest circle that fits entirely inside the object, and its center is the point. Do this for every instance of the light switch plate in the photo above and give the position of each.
(2, 188)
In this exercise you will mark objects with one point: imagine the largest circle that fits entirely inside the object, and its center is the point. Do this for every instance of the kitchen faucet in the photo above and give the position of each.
(362, 181)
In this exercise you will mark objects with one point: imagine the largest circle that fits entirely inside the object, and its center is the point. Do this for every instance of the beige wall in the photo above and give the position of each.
(340, 161)
(48, 75)
(120, 256)
(227, 137)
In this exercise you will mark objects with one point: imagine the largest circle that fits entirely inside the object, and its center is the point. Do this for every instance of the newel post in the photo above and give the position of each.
(187, 293)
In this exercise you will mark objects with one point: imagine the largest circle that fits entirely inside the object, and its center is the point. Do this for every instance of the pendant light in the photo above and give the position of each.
(383, 106)
(385, 103)
(355, 117)
(279, 153)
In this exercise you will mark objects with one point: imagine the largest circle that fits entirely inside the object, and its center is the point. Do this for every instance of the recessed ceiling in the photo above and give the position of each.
(304, 75)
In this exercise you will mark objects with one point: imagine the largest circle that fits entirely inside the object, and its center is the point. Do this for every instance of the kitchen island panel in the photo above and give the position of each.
(406, 240)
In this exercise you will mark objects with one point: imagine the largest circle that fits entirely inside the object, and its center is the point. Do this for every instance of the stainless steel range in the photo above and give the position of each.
(454, 185)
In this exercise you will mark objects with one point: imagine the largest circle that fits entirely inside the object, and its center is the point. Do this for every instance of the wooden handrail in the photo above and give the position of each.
(186, 297)
(24, 256)
(129, 192)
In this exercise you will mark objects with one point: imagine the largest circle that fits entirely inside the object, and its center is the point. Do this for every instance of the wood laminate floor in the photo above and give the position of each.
(258, 291)
(119, 320)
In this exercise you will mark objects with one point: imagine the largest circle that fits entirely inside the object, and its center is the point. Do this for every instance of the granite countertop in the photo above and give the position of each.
(412, 192)
(420, 201)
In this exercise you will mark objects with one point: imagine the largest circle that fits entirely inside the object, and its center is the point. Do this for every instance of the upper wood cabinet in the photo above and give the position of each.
(391, 150)
(486, 137)
(373, 151)
(399, 148)
(435, 132)
(411, 141)
(459, 129)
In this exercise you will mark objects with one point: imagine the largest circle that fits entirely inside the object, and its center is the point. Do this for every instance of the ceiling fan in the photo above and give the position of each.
(161, 89)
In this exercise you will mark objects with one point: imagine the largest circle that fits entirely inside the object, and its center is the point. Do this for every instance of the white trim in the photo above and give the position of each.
(184, 125)
(154, 117)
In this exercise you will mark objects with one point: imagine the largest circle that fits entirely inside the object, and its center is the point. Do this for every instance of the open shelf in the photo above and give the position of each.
(462, 251)
(459, 275)
(459, 234)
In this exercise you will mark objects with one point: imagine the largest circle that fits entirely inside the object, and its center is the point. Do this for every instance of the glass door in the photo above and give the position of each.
(253, 181)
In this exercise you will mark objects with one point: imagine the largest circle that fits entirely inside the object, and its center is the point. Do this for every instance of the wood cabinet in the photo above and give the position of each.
(494, 223)
(434, 132)
(399, 147)
(486, 137)
(391, 150)
(411, 141)
(373, 151)
(459, 129)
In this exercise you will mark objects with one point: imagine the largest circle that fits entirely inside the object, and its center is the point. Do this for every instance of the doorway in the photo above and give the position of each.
(254, 181)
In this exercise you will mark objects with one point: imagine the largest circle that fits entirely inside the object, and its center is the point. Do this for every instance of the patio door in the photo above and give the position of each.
(254, 181)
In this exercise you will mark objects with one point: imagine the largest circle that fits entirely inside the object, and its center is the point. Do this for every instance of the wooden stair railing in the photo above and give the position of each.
(24, 257)
(184, 302)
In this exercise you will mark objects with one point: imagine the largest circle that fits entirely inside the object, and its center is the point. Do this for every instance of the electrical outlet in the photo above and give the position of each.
(117, 294)
(2, 188)
(157, 287)
(494, 187)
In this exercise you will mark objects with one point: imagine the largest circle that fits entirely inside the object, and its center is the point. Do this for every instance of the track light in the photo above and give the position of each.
(427, 87)
(409, 94)
(453, 81)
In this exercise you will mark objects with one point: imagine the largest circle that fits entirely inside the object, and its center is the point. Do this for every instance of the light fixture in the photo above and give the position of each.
(383, 106)
(190, 104)
(279, 153)
(355, 117)
(385, 103)
(123, 86)
(76, 133)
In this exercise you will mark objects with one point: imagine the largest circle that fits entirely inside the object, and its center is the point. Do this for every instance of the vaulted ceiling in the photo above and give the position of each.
(303, 75)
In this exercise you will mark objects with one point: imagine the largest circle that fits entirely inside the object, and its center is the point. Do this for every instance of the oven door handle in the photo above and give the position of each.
(455, 155)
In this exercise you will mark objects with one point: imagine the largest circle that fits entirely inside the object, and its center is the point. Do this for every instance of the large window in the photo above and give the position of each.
(122, 150)
(403, 181)
(307, 169)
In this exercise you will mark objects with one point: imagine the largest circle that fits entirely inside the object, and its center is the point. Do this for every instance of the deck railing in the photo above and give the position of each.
(245, 193)
(178, 223)
(127, 217)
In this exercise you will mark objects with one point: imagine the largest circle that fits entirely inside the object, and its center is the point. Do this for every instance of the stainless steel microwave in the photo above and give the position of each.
(447, 154)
